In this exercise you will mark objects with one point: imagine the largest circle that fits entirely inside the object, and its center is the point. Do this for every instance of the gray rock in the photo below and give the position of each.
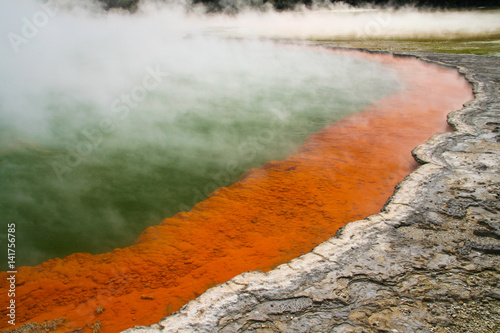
(429, 262)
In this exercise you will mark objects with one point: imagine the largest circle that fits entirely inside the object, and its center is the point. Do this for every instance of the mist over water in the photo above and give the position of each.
(111, 122)
(337, 22)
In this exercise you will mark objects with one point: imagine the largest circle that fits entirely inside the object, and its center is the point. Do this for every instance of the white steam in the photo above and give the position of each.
(120, 120)
(340, 23)
(111, 121)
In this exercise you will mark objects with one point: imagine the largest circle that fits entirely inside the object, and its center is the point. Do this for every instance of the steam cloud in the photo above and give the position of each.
(111, 121)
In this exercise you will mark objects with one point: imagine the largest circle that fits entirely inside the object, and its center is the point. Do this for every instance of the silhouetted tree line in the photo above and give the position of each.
(288, 4)
(216, 5)
(433, 4)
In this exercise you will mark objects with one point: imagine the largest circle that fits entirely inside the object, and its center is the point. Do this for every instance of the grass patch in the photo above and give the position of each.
(480, 46)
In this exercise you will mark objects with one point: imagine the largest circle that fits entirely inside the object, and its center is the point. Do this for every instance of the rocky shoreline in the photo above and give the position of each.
(429, 262)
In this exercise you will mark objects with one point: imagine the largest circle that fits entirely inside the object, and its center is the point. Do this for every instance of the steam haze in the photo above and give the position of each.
(86, 166)
(343, 22)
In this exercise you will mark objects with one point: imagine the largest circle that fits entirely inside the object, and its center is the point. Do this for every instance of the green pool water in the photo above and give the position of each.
(86, 169)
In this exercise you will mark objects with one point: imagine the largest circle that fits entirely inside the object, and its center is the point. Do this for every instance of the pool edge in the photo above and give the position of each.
(386, 254)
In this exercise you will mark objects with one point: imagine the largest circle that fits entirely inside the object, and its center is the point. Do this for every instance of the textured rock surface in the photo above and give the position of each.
(429, 262)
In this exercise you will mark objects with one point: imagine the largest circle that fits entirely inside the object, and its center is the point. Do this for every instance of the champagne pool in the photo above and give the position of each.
(271, 215)
(82, 175)
(158, 160)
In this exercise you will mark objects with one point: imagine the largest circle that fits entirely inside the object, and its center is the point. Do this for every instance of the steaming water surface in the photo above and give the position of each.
(111, 123)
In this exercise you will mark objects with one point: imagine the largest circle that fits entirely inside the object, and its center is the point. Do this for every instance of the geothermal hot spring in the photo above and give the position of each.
(110, 124)
(113, 126)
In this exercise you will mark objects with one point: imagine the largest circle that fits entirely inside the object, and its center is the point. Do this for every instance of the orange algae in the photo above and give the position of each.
(273, 214)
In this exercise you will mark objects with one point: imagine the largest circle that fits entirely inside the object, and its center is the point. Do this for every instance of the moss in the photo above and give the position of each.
(479, 46)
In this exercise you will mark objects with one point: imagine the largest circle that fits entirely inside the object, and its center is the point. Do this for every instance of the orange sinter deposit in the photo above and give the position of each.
(343, 173)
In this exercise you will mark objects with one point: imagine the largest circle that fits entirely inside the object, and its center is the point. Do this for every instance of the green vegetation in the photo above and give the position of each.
(218, 5)
(487, 46)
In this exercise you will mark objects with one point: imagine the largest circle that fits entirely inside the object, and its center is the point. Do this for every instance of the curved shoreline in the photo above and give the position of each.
(136, 284)
(428, 262)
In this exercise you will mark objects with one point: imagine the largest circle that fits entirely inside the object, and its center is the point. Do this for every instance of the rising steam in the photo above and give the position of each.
(112, 121)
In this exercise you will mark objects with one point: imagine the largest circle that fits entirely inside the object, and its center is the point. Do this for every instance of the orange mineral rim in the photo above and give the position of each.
(273, 214)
